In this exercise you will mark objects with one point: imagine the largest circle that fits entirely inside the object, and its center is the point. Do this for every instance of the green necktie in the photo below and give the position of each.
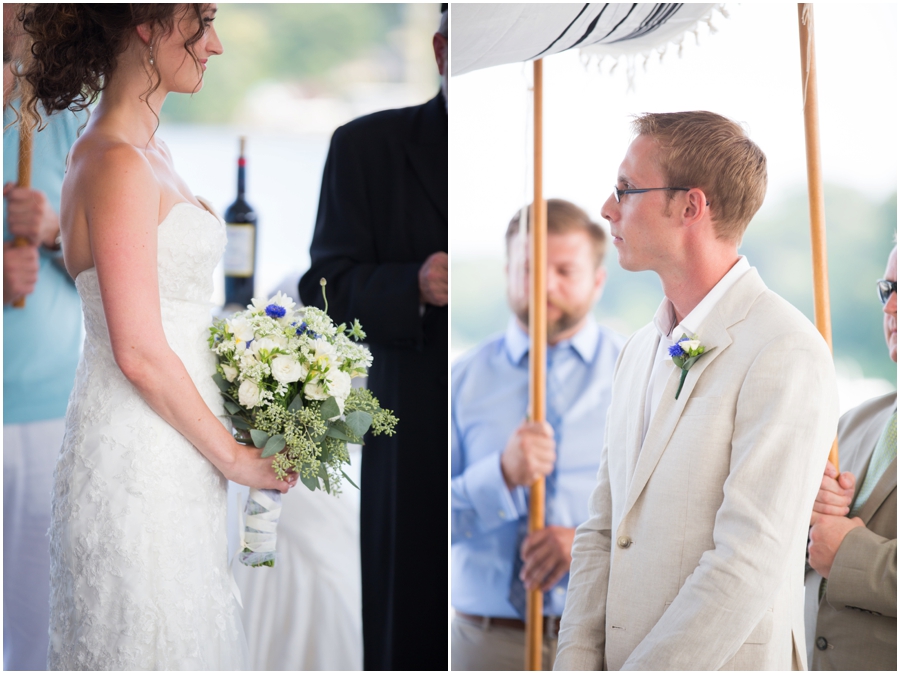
(885, 452)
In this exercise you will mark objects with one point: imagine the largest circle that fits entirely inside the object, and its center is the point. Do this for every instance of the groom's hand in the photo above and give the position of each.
(547, 556)
(529, 454)
(433, 280)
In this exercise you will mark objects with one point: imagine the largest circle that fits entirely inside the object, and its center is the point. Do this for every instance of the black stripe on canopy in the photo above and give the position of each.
(560, 36)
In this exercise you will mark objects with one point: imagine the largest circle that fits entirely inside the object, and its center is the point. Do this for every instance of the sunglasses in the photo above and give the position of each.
(886, 289)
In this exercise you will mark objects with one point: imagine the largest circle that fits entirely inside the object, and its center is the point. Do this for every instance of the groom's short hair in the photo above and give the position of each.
(564, 217)
(709, 151)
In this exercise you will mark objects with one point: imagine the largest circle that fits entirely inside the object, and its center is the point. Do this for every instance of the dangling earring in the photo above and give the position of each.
(151, 55)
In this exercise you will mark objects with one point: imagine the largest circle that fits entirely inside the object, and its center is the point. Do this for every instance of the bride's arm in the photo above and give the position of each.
(122, 200)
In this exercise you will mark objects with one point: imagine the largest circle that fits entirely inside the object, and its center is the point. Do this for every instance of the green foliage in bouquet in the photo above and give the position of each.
(285, 376)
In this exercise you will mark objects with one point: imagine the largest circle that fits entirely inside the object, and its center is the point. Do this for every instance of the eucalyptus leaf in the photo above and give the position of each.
(359, 422)
(346, 477)
(296, 403)
(274, 445)
(311, 482)
(232, 407)
(238, 422)
(339, 430)
(260, 438)
(329, 409)
(323, 473)
(220, 381)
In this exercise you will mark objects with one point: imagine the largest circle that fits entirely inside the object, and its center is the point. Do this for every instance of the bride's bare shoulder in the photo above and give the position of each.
(107, 162)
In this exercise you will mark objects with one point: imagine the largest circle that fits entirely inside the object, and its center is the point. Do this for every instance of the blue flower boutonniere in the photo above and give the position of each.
(685, 352)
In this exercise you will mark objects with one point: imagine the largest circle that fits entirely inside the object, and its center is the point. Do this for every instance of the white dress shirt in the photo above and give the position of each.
(670, 332)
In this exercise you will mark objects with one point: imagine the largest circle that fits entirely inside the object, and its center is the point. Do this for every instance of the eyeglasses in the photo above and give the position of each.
(886, 289)
(619, 193)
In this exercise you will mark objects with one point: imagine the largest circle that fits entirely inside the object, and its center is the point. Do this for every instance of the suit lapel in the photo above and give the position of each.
(638, 397)
(713, 334)
(715, 337)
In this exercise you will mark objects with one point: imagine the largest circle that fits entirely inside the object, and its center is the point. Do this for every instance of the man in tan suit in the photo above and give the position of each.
(692, 558)
(852, 619)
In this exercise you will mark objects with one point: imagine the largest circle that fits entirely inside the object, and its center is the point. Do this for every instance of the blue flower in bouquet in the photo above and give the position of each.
(275, 311)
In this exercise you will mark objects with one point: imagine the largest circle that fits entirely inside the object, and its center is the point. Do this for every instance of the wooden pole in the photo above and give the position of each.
(814, 180)
(537, 364)
(23, 180)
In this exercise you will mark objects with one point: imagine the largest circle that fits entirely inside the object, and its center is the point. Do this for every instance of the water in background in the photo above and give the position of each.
(284, 174)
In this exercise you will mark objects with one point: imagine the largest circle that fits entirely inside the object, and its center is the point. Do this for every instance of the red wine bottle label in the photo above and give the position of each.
(239, 251)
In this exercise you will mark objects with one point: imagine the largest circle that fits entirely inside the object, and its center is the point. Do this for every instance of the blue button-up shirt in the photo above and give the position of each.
(489, 400)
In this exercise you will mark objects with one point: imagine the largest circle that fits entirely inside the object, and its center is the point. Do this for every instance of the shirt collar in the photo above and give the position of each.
(584, 342)
(664, 320)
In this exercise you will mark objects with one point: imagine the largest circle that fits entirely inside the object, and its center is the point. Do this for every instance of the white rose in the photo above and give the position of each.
(286, 369)
(339, 386)
(689, 345)
(315, 390)
(248, 394)
(240, 328)
(230, 372)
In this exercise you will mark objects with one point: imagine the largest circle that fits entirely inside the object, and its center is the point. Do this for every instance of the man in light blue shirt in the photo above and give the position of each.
(496, 453)
(41, 345)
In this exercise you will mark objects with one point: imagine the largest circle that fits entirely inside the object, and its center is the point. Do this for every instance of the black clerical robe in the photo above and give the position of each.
(382, 212)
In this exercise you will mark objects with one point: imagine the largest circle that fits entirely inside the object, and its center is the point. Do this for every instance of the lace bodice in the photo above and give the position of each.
(139, 576)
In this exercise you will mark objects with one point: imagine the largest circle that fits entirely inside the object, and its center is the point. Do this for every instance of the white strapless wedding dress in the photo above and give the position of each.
(139, 573)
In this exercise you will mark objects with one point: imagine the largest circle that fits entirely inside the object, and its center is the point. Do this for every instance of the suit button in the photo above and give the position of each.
(623, 541)
(821, 643)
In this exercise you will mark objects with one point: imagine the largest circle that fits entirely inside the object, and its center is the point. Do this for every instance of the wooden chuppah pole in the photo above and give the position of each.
(814, 179)
(537, 364)
(23, 180)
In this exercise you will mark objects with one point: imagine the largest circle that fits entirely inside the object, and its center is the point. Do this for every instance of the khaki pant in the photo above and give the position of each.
(473, 648)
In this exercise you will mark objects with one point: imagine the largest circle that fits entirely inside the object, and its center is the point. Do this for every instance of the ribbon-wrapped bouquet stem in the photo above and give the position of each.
(285, 373)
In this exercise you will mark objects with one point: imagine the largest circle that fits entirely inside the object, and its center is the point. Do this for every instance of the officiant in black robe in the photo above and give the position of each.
(380, 241)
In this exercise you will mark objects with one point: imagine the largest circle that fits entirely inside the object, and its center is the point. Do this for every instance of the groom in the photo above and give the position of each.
(693, 554)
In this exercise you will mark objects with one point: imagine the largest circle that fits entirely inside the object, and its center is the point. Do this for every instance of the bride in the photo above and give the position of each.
(139, 575)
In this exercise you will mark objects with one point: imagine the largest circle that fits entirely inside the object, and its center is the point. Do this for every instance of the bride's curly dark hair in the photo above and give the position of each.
(71, 50)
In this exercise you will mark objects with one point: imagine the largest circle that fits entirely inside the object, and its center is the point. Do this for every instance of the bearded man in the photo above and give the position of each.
(497, 454)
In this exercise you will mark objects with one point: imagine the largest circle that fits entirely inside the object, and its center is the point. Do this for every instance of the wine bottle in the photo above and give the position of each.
(240, 251)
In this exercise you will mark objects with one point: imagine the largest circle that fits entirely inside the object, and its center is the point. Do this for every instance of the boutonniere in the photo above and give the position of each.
(685, 352)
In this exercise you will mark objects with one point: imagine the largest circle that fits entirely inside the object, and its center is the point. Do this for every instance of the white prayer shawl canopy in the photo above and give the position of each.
(486, 35)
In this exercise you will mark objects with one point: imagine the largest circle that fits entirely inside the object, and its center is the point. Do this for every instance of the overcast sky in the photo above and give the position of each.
(748, 70)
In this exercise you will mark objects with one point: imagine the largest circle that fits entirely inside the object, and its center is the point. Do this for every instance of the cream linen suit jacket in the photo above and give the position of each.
(857, 619)
(693, 555)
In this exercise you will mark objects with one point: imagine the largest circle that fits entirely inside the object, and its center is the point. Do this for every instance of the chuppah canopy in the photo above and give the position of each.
(486, 35)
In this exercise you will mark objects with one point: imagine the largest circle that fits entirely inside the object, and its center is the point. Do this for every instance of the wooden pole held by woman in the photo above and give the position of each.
(814, 179)
(537, 366)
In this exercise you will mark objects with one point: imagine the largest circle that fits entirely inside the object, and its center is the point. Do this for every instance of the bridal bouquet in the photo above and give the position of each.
(285, 374)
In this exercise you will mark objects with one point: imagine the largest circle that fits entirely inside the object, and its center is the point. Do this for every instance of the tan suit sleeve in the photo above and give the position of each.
(582, 635)
(785, 420)
(864, 574)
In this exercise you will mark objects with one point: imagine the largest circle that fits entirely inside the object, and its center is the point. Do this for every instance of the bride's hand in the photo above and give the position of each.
(250, 469)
